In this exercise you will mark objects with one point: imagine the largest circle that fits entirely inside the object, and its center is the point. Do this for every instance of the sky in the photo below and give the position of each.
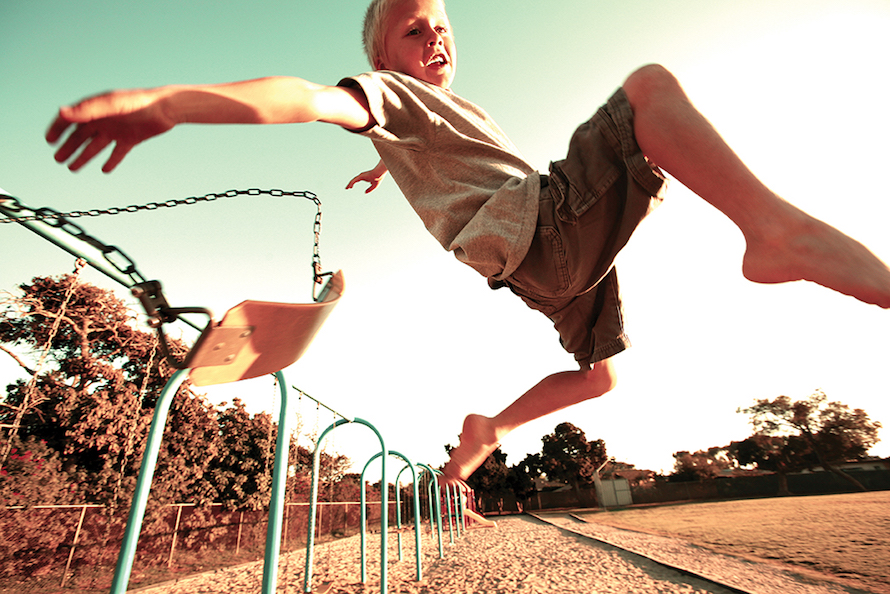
(798, 89)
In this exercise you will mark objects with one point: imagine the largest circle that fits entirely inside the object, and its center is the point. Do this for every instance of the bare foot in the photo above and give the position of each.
(477, 442)
(805, 248)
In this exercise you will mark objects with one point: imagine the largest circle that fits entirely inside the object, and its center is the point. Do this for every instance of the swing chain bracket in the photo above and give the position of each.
(159, 312)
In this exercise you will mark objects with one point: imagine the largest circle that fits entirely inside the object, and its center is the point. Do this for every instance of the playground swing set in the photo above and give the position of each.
(253, 339)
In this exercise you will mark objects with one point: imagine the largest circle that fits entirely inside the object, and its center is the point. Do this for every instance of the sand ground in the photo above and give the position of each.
(522, 555)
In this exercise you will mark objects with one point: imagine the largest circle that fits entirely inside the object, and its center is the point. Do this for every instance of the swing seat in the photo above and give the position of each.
(257, 338)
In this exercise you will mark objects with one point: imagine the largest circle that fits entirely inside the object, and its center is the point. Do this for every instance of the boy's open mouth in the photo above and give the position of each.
(437, 60)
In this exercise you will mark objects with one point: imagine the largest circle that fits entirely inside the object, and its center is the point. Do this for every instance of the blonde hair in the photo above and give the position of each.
(373, 29)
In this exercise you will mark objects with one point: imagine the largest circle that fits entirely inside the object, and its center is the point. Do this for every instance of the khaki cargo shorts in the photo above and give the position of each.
(590, 204)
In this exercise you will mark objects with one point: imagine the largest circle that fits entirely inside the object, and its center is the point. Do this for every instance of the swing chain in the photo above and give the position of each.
(48, 213)
(112, 254)
(128, 267)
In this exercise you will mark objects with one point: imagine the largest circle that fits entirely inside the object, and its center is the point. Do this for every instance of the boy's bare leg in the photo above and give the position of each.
(783, 243)
(481, 435)
(485, 522)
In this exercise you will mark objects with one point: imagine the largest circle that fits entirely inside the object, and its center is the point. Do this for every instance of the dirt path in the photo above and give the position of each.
(522, 555)
(845, 536)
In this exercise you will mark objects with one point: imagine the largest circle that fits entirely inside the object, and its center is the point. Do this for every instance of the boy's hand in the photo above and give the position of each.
(366, 176)
(373, 177)
(124, 118)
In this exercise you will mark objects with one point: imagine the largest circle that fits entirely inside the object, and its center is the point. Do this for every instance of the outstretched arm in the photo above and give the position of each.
(127, 118)
(373, 177)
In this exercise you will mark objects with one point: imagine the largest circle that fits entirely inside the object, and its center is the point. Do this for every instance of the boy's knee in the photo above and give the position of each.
(601, 379)
(649, 82)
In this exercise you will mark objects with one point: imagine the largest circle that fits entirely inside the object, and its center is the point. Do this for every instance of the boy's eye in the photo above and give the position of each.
(416, 31)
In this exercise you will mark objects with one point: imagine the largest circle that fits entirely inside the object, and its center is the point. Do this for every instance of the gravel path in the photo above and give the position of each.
(522, 555)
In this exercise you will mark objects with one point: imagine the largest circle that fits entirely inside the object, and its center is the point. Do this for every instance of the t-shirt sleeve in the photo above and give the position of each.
(399, 115)
(352, 83)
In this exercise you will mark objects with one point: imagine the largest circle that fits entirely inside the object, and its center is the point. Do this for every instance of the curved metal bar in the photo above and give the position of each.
(450, 513)
(277, 503)
(417, 531)
(143, 484)
(364, 516)
(459, 518)
(399, 509)
(438, 505)
(313, 505)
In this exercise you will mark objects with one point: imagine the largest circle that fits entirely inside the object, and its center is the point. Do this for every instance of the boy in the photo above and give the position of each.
(552, 239)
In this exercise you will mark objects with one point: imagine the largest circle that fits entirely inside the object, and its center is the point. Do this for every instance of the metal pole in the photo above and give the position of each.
(363, 520)
(313, 502)
(276, 504)
(143, 484)
(399, 512)
(450, 515)
(434, 484)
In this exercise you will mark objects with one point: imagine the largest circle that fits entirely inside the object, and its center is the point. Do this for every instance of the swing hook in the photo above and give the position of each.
(159, 313)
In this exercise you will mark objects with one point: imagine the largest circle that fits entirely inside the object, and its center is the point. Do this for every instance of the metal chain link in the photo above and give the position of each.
(126, 266)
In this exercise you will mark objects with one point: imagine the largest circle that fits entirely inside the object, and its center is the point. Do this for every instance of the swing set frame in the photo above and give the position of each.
(253, 339)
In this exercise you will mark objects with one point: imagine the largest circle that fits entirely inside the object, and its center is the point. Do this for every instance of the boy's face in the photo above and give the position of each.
(418, 42)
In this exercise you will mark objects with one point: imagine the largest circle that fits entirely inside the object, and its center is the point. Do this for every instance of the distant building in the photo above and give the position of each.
(856, 465)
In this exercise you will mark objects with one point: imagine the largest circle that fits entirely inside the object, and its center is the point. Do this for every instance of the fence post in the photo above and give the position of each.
(175, 531)
(240, 524)
(83, 511)
(286, 518)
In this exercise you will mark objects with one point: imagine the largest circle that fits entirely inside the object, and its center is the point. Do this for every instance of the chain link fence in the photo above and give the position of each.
(74, 547)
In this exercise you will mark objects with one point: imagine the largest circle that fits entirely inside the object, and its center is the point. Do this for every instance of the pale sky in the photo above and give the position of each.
(798, 88)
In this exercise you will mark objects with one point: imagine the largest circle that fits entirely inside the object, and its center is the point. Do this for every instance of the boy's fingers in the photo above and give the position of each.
(56, 129)
(75, 140)
(93, 148)
(117, 155)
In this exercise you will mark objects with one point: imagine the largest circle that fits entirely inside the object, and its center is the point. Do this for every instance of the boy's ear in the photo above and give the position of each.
(378, 64)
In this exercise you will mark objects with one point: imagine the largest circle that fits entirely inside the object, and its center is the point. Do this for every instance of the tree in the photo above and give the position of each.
(779, 454)
(83, 417)
(242, 472)
(335, 483)
(490, 479)
(93, 399)
(699, 466)
(567, 456)
(33, 473)
(830, 430)
(521, 477)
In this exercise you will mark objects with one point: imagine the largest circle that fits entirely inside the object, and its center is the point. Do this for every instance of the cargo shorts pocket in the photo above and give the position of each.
(544, 273)
(590, 169)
